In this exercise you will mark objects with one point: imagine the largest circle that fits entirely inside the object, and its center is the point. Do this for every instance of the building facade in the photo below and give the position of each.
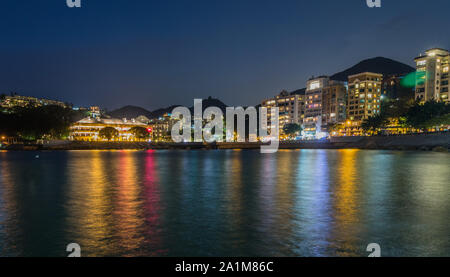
(95, 111)
(88, 129)
(334, 101)
(161, 128)
(291, 107)
(393, 88)
(432, 76)
(364, 94)
(314, 94)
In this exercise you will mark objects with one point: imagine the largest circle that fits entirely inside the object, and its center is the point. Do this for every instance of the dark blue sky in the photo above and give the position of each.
(158, 53)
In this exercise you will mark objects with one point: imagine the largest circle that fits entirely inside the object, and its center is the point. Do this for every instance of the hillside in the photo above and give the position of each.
(211, 102)
(381, 65)
(160, 112)
(130, 112)
(378, 65)
(134, 111)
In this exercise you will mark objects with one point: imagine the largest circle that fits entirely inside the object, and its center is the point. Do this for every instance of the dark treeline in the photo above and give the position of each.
(410, 114)
(32, 123)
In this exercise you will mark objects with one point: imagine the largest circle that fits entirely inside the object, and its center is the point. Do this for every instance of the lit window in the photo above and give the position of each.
(421, 63)
(314, 85)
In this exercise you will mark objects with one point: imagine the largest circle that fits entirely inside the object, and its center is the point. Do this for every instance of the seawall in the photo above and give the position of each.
(431, 141)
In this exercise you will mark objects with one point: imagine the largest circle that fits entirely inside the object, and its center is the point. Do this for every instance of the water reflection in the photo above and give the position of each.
(224, 203)
(153, 207)
(10, 234)
(89, 208)
(345, 204)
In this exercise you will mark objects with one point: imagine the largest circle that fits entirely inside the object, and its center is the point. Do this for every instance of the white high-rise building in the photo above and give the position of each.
(313, 104)
(432, 76)
(291, 107)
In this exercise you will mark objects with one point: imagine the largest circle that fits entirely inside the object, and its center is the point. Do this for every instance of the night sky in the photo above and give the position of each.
(158, 53)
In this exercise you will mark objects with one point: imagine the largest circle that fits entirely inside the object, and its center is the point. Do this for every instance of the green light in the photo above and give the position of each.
(410, 80)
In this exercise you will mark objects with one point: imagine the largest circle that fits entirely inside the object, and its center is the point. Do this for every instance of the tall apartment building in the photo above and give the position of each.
(334, 100)
(432, 76)
(392, 88)
(291, 107)
(313, 104)
(364, 94)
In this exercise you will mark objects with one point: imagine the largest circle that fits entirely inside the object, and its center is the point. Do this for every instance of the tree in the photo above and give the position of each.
(334, 128)
(33, 123)
(109, 133)
(422, 116)
(396, 108)
(140, 133)
(292, 129)
(438, 121)
(374, 122)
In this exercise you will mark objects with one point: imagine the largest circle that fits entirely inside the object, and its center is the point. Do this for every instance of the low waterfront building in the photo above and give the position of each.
(432, 76)
(88, 129)
(346, 129)
(291, 107)
(364, 94)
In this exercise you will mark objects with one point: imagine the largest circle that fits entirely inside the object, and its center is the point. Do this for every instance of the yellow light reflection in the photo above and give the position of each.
(346, 201)
(129, 206)
(89, 207)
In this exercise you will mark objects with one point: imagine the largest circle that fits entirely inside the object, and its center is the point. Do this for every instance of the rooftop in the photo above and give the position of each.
(111, 121)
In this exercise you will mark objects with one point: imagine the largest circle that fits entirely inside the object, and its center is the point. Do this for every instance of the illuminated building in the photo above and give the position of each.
(393, 88)
(13, 101)
(432, 76)
(161, 128)
(291, 107)
(95, 111)
(364, 94)
(334, 100)
(313, 104)
(88, 129)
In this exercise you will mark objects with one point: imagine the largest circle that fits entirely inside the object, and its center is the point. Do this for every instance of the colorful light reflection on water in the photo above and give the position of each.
(224, 203)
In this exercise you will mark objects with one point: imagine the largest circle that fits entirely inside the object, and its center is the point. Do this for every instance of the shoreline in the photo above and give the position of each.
(419, 142)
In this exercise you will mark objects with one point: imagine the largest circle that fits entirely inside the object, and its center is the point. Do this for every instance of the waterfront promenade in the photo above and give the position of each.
(431, 141)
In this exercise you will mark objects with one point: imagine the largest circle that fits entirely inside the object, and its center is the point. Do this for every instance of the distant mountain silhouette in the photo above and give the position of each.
(211, 102)
(377, 65)
(130, 112)
(161, 112)
(134, 111)
(381, 65)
